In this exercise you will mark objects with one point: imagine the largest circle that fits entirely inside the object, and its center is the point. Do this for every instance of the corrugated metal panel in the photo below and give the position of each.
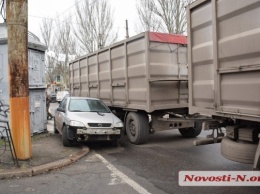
(4, 93)
(201, 76)
(167, 62)
(36, 68)
(118, 76)
(224, 58)
(38, 114)
(83, 85)
(104, 76)
(135, 73)
(1, 67)
(93, 76)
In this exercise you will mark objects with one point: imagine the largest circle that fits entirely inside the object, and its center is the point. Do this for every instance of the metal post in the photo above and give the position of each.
(126, 28)
(100, 43)
(17, 26)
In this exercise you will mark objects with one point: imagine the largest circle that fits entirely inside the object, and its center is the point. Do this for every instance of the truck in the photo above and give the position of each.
(224, 73)
(143, 80)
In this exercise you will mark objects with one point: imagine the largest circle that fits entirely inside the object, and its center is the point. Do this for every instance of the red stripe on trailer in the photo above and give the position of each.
(167, 38)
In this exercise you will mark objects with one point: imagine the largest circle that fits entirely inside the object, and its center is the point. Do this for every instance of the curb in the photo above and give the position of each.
(41, 169)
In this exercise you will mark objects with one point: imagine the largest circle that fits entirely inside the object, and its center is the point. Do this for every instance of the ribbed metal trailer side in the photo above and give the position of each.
(136, 73)
(145, 74)
(224, 55)
(224, 72)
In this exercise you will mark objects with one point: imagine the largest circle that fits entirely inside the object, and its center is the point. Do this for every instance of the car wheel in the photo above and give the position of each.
(191, 131)
(66, 142)
(54, 127)
(137, 128)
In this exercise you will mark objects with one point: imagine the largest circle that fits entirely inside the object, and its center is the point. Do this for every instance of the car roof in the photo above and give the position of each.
(62, 92)
(78, 97)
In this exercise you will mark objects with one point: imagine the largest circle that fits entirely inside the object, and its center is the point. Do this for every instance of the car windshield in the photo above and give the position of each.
(87, 105)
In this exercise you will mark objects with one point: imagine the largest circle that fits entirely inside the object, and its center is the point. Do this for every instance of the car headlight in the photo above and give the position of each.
(76, 124)
(119, 124)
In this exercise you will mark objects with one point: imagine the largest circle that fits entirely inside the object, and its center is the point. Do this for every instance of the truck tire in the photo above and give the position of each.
(191, 131)
(137, 128)
(65, 141)
(243, 151)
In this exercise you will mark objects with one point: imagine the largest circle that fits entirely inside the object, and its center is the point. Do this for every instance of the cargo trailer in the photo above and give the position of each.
(224, 72)
(144, 81)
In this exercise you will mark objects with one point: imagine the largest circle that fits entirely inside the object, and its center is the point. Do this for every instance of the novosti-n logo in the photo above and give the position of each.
(219, 178)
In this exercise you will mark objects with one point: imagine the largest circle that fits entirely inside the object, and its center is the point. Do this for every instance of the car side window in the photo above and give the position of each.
(60, 105)
(63, 103)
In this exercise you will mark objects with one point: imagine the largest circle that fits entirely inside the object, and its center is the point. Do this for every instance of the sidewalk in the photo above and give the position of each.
(48, 153)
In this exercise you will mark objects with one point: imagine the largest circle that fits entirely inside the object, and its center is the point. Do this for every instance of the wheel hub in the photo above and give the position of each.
(132, 128)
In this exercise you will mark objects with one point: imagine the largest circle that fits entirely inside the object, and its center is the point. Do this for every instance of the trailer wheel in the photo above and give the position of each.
(191, 131)
(137, 128)
(243, 151)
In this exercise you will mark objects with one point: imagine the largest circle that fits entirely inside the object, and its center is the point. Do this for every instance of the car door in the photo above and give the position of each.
(61, 115)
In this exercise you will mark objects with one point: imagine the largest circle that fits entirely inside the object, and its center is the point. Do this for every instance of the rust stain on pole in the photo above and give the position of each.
(17, 26)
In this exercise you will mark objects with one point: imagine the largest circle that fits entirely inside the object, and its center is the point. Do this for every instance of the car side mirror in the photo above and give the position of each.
(60, 109)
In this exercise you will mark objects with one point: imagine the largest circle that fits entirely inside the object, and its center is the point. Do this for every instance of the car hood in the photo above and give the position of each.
(92, 117)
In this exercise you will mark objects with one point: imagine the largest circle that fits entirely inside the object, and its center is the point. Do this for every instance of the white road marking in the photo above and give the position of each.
(115, 180)
(125, 178)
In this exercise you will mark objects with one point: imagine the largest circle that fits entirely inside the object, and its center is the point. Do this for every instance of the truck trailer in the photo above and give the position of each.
(224, 73)
(143, 80)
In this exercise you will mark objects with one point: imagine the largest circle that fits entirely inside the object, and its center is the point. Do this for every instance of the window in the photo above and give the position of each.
(58, 78)
(87, 105)
(63, 103)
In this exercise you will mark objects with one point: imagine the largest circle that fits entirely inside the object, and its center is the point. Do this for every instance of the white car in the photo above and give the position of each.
(86, 119)
(60, 95)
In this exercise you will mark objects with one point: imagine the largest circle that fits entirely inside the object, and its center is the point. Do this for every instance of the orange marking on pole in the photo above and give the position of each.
(20, 119)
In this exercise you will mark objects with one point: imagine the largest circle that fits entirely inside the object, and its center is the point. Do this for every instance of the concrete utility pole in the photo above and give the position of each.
(17, 26)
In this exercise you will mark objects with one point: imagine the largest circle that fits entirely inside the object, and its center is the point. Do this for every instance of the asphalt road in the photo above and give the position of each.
(166, 153)
(128, 168)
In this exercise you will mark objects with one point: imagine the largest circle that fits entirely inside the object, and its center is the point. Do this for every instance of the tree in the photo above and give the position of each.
(95, 25)
(65, 46)
(94, 30)
(61, 46)
(148, 20)
(46, 28)
(170, 14)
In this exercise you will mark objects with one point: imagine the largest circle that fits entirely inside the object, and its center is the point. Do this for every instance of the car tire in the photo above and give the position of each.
(54, 127)
(191, 131)
(65, 141)
(243, 151)
(137, 127)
